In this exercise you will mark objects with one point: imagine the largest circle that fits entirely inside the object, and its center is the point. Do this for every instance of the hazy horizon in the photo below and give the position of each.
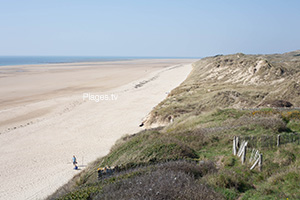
(148, 29)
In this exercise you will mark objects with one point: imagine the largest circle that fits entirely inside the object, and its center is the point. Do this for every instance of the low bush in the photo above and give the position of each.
(231, 180)
(159, 184)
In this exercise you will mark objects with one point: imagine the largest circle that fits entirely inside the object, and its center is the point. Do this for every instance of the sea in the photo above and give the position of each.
(30, 60)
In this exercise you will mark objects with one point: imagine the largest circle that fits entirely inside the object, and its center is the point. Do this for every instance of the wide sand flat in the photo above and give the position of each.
(44, 119)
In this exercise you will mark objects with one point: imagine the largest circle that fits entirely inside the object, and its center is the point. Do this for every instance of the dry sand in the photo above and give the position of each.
(44, 120)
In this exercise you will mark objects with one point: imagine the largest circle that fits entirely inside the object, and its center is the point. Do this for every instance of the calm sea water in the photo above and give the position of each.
(29, 60)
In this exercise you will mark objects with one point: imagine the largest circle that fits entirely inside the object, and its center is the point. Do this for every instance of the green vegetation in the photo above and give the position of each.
(206, 139)
(191, 158)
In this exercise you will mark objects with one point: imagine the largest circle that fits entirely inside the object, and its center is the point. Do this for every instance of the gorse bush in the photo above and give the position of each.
(291, 115)
(285, 115)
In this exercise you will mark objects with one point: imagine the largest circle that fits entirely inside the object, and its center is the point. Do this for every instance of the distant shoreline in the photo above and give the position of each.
(37, 60)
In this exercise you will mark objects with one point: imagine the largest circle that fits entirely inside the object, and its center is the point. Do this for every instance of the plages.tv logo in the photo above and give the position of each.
(99, 97)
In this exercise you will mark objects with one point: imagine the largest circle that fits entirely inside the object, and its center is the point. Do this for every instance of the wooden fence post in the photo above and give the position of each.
(234, 145)
(260, 163)
(278, 140)
(255, 163)
(244, 154)
(241, 148)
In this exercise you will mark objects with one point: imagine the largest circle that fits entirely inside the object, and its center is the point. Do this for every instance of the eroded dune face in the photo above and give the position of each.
(236, 81)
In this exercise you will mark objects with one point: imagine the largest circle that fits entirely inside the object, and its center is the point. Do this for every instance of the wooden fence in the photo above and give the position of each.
(250, 144)
(240, 149)
(265, 141)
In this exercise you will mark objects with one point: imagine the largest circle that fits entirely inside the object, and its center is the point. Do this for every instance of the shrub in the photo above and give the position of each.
(273, 123)
(291, 115)
(230, 179)
(159, 184)
(148, 146)
(284, 157)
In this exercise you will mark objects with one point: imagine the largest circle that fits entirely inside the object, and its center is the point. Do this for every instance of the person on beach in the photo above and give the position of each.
(74, 162)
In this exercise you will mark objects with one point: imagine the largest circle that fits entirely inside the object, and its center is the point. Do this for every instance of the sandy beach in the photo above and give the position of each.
(44, 119)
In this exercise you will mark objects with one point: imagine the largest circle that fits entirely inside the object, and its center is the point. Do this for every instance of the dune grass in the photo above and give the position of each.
(204, 145)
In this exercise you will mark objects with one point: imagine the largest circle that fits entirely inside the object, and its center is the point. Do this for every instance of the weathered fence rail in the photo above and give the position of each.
(271, 140)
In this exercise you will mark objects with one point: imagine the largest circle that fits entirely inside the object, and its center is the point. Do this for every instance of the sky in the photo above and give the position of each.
(156, 28)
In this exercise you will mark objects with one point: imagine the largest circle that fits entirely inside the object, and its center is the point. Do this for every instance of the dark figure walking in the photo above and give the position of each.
(74, 162)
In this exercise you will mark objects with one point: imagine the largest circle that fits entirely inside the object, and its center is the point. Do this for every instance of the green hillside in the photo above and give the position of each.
(190, 155)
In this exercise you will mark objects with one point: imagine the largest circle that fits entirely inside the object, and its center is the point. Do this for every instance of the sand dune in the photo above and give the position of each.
(44, 119)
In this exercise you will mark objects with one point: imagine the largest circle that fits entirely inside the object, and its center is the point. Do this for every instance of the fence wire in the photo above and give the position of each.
(268, 141)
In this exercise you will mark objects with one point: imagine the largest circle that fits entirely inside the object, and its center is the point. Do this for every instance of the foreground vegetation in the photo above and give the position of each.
(192, 159)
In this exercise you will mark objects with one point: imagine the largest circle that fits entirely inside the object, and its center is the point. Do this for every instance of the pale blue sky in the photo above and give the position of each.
(185, 28)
